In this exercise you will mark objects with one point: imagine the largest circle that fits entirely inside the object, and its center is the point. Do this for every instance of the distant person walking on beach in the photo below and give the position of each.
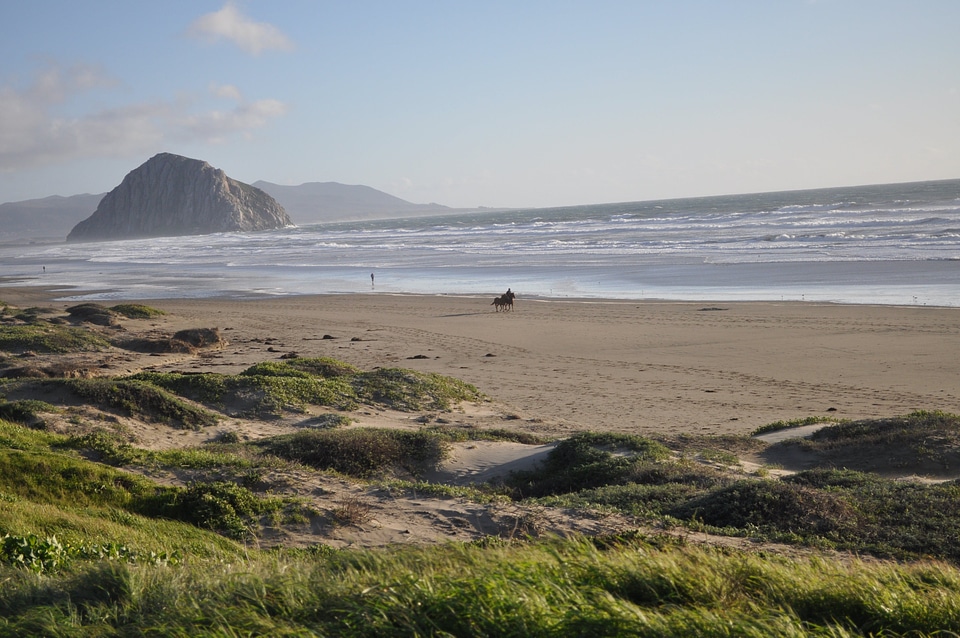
(371, 280)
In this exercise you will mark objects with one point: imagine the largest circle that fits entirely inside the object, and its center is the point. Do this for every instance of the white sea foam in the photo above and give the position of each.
(883, 244)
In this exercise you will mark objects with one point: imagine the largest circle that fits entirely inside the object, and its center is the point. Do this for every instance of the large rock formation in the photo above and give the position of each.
(173, 195)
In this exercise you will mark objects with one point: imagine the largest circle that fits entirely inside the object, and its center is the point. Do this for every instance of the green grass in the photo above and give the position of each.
(51, 490)
(50, 338)
(49, 493)
(550, 589)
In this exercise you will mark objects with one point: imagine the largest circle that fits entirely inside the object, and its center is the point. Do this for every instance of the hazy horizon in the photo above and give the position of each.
(572, 205)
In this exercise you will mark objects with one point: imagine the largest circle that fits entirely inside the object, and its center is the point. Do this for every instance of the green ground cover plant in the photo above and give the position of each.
(402, 389)
(145, 400)
(270, 388)
(329, 420)
(255, 395)
(48, 337)
(50, 555)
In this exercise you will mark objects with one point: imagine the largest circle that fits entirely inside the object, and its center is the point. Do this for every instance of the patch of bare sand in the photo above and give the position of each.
(487, 462)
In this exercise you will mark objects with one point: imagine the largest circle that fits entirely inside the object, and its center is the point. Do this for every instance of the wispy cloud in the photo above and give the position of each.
(34, 131)
(231, 25)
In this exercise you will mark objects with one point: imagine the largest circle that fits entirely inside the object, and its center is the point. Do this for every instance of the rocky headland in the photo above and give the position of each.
(171, 195)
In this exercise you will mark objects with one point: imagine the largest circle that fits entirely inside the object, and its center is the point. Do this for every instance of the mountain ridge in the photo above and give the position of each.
(318, 202)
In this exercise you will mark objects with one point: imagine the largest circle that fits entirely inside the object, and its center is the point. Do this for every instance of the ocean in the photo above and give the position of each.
(888, 244)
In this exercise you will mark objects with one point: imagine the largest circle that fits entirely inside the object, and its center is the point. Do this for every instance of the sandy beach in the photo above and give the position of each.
(549, 367)
(637, 367)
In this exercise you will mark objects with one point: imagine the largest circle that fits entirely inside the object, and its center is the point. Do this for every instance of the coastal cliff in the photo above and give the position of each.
(173, 195)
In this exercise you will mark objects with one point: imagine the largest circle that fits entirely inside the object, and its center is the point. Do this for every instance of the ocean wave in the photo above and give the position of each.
(607, 249)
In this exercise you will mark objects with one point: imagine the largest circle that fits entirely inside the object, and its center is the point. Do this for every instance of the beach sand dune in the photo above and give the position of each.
(554, 367)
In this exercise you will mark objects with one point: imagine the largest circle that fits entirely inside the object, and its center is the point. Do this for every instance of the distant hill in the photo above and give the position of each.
(171, 195)
(317, 202)
(52, 218)
(47, 219)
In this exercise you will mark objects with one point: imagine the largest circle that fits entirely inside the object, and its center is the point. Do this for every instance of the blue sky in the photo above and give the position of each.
(493, 103)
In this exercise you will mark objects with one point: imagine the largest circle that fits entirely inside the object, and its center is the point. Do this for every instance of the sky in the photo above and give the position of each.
(515, 103)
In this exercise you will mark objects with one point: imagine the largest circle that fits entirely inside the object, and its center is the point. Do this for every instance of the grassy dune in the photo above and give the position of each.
(89, 545)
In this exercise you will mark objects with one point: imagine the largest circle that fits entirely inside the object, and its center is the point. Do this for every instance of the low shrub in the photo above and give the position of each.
(635, 499)
(360, 452)
(329, 420)
(199, 337)
(26, 411)
(588, 460)
(270, 388)
(274, 369)
(258, 395)
(92, 313)
(227, 508)
(323, 367)
(50, 338)
(105, 448)
(776, 426)
(145, 400)
(468, 433)
(409, 390)
(774, 506)
(136, 311)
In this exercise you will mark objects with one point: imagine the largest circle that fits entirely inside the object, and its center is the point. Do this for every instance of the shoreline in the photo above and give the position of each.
(46, 293)
(560, 366)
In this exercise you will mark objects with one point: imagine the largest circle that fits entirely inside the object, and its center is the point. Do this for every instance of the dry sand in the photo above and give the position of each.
(624, 366)
(558, 366)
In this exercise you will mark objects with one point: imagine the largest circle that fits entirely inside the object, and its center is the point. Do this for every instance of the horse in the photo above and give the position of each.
(504, 302)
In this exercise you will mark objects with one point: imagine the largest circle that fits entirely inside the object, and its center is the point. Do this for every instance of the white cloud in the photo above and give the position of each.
(33, 131)
(227, 91)
(231, 25)
(217, 126)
